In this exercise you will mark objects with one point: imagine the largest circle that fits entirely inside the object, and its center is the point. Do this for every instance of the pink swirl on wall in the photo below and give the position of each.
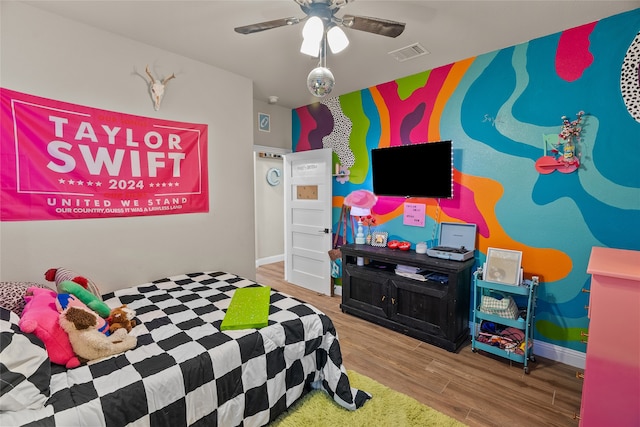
(307, 124)
(572, 55)
(316, 122)
(423, 98)
(463, 207)
(387, 204)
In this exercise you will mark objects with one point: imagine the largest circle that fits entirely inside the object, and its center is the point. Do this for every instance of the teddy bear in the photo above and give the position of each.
(121, 317)
(40, 317)
(87, 342)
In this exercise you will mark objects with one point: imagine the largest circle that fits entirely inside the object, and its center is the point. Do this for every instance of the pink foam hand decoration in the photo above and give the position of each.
(40, 317)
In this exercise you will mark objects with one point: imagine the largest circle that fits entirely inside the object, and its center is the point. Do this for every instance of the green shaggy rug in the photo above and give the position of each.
(386, 408)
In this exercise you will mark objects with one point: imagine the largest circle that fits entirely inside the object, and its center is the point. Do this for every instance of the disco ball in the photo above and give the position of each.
(320, 81)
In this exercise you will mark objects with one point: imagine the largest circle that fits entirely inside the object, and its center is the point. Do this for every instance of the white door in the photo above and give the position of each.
(307, 229)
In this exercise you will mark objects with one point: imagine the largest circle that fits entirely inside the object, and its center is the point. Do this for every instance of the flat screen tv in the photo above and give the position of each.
(415, 170)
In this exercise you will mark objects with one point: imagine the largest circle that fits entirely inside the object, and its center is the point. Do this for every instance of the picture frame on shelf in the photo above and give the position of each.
(379, 239)
(503, 266)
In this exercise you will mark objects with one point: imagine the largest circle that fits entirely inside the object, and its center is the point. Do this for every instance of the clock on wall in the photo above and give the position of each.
(273, 176)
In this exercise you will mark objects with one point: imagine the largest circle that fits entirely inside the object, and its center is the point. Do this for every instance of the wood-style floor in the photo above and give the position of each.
(474, 388)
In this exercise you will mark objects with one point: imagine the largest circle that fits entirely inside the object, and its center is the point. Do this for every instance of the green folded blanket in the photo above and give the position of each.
(249, 308)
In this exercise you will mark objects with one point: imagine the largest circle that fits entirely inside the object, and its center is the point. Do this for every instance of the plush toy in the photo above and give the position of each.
(59, 275)
(121, 317)
(87, 341)
(40, 317)
(64, 301)
(93, 302)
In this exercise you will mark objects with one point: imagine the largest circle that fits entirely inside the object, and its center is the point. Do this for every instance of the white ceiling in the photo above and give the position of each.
(451, 30)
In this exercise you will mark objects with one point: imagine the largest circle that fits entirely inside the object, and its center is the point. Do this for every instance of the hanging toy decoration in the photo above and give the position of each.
(565, 156)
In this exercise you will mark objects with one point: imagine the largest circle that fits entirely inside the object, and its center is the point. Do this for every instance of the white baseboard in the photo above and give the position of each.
(269, 260)
(337, 290)
(559, 354)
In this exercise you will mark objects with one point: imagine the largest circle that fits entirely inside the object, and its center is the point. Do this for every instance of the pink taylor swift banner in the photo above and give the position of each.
(67, 161)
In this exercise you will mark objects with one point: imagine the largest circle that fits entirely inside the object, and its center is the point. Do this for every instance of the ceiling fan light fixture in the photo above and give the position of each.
(310, 47)
(320, 82)
(313, 29)
(312, 33)
(337, 39)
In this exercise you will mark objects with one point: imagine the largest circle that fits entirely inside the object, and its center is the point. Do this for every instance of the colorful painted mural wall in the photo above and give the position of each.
(497, 109)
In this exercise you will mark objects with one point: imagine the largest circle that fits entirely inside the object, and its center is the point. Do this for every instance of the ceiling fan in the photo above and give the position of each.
(326, 10)
(323, 27)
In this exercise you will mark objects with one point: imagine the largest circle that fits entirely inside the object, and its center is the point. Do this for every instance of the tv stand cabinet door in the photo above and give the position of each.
(365, 290)
(420, 305)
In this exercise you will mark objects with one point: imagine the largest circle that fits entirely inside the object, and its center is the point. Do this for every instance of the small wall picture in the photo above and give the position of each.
(503, 266)
(379, 238)
(264, 122)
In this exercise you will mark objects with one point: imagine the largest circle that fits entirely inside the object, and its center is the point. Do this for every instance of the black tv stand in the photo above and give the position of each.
(435, 310)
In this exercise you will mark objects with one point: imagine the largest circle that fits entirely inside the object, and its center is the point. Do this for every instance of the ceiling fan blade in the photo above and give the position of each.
(261, 26)
(383, 27)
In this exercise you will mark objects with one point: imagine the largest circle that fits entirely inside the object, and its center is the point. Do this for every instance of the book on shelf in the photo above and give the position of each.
(407, 269)
(424, 275)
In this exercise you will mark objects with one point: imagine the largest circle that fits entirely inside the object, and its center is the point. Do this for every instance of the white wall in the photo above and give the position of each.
(45, 55)
(280, 132)
(269, 200)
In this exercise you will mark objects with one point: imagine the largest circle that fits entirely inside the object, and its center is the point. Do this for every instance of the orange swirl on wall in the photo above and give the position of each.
(550, 264)
(450, 84)
(385, 120)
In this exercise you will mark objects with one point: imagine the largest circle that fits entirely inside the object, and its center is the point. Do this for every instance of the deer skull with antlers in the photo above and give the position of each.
(157, 88)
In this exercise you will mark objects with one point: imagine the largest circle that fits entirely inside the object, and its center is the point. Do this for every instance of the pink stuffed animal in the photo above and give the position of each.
(40, 317)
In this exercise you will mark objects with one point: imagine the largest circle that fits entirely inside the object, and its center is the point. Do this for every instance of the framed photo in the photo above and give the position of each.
(264, 122)
(379, 238)
(503, 266)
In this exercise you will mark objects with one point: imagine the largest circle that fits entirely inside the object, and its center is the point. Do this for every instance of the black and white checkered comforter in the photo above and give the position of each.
(184, 371)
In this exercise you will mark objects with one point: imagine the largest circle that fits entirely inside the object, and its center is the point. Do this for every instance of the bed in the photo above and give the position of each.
(184, 370)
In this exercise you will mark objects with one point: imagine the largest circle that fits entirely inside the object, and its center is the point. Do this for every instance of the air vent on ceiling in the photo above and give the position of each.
(409, 52)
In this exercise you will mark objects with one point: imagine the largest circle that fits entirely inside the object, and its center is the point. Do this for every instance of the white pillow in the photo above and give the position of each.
(25, 369)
